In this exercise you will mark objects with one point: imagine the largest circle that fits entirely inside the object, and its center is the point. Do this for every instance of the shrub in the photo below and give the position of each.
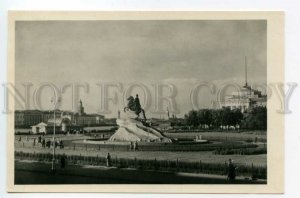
(164, 165)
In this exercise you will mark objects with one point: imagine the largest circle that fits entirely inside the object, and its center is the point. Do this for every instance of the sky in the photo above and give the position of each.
(182, 53)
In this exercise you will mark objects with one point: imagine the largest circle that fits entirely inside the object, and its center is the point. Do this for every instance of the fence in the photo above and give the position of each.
(259, 172)
(148, 147)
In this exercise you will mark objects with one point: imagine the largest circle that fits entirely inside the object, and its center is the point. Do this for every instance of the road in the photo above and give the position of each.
(31, 172)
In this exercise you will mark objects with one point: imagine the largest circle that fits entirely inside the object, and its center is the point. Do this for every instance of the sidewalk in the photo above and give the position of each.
(31, 172)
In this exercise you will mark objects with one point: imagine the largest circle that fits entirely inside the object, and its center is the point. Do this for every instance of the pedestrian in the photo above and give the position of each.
(108, 160)
(135, 146)
(131, 146)
(63, 161)
(61, 144)
(57, 143)
(33, 141)
(48, 143)
(44, 143)
(231, 171)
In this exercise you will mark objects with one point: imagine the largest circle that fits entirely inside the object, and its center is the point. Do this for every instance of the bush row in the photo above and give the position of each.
(166, 147)
(162, 165)
(241, 151)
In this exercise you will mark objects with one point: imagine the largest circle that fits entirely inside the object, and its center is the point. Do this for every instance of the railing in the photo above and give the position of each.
(258, 172)
(147, 146)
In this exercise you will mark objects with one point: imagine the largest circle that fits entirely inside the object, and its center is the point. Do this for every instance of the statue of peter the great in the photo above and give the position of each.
(135, 105)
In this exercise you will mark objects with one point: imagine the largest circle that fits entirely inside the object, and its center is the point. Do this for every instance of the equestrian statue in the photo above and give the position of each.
(135, 106)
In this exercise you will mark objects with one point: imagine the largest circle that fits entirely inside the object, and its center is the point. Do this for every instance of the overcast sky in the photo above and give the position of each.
(178, 52)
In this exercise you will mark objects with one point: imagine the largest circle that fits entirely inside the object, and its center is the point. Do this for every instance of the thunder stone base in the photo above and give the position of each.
(131, 130)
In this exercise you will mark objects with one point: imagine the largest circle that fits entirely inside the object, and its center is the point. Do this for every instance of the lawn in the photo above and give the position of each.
(196, 156)
(223, 136)
(206, 156)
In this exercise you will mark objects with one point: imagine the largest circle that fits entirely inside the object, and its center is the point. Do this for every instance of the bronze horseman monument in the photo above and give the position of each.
(134, 127)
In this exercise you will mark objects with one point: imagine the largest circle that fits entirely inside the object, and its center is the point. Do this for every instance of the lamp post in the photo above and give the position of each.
(53, 140)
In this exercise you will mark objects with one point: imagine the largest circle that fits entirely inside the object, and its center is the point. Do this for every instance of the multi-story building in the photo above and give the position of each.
(89, 119)
(19, 118)
(28, 118)
(47, 115)
(244, 98)
(83, 119)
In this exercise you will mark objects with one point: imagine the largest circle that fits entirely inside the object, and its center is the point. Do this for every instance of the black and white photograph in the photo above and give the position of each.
(141, 101)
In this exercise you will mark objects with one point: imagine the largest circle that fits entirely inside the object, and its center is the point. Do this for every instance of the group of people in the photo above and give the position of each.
(49, 143)
(43, 142)
(133, 146)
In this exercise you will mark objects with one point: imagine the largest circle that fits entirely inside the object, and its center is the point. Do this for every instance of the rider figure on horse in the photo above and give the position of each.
(135, 105)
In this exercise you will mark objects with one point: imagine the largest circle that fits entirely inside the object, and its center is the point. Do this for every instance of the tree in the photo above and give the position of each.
(236, 117)
(205, 117)
(192, 118)
(255, 118)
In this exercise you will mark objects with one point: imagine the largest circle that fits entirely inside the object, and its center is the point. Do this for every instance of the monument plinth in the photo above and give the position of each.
(133, 130)
(133, 127)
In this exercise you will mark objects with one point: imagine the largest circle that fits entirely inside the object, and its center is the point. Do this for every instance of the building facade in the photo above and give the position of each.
(29, 118)
(245, 98)
(81, 118)
(19, 118)
(89, 119)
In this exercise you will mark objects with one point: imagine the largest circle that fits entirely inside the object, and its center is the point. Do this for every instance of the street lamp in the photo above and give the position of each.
(54, 126)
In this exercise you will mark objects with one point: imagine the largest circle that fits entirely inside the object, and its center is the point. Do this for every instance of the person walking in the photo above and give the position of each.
(108, 160)
(131, 146)
(134, 146)
(48, 143)
(231, 170)
(63, 161)
(43, 143)
(61, 144)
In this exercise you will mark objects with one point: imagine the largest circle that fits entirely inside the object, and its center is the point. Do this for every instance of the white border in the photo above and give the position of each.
(291, 9)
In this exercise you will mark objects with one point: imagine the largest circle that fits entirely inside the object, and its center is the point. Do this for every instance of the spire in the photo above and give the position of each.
(80, 108)
(246, 84)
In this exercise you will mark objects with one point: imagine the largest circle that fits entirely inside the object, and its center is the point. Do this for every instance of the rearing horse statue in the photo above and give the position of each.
(135, 106)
